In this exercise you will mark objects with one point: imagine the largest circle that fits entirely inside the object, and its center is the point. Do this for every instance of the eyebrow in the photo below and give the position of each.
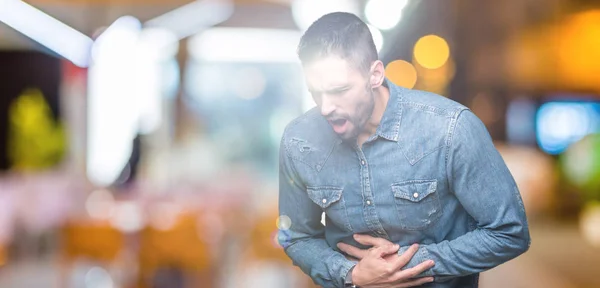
(333, 89)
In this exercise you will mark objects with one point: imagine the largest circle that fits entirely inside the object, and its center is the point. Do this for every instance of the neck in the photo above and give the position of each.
(381, 95)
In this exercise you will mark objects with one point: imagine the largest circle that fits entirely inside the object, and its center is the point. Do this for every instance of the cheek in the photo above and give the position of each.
(364, 104)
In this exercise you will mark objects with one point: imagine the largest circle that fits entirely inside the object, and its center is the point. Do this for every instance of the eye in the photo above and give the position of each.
(339, 92)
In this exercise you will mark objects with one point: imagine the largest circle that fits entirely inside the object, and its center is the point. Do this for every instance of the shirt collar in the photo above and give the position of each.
(389, 127)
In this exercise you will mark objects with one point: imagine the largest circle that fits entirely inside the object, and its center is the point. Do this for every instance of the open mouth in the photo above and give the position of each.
(339, 125)
(338, 122)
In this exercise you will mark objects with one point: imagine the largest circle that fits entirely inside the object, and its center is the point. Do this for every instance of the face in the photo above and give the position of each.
(343, 94)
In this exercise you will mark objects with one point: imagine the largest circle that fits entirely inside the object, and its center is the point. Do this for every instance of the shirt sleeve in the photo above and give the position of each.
(482, 183)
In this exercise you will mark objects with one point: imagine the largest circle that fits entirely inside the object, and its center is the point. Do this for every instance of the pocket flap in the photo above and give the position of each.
(324, 196)
(414, 190)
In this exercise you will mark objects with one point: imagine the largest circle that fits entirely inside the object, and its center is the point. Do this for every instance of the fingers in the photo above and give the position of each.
(371, 241)
(406, 274)
(352, 251)
(350, 258)
(403, 259)
(382, 251)
(390, 249)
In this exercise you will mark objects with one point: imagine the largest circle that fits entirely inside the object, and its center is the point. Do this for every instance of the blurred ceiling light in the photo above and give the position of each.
(251, 45)
(384, 14)
(401, 73)
(125, 92)
(193, 17)
(431, 51)
(121, 33)
(51, 33)
(158, 43)
(377, 37)
(155, 47)
(113, 114)
(305, 12)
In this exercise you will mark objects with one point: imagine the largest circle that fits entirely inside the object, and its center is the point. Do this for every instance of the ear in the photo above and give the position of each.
(377, 74)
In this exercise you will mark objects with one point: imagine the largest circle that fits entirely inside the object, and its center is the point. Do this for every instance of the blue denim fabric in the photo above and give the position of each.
(429, 175)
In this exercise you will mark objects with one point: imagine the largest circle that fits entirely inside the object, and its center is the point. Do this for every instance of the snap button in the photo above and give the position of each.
(416, 195)
(324, 200)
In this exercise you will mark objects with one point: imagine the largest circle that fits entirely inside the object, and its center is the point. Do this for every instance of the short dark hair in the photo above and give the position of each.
(342, 34)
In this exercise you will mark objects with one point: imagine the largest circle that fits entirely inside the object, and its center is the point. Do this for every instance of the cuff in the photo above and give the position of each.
(421, 256)
(346, 267)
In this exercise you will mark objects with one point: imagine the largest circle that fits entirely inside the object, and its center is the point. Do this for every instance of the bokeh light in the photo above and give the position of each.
(435, 80)
(589, 223)
(559, 124)
(377, 37)
(384, 14)
(401, 73)
(164, 215)
(577, 45)
(127, 216)
(98, 277)
(581, 165)
(100, 204)
(284, 222)
(305, 12)
(431, 51)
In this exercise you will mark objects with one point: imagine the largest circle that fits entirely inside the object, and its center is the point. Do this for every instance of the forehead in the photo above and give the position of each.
(328, 72)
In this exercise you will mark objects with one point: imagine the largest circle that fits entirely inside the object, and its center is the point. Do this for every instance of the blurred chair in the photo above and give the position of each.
(3, 255)
(263, 257)
(179, 250)
(89, 240)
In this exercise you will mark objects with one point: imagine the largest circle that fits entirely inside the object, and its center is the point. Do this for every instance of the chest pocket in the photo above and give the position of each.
(332, 203)
(417, 203)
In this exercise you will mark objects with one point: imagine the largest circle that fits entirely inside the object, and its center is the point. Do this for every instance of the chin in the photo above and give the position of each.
(348, 136)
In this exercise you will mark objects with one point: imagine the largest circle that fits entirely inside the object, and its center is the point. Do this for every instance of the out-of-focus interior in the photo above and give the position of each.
(139, 139)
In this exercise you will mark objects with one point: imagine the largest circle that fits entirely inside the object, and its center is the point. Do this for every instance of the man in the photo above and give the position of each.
(390, 167)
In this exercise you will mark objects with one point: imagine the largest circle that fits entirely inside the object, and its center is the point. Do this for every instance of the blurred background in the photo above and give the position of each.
(139, 139)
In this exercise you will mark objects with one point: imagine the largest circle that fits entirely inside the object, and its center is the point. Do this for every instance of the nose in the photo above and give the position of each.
(327, 106)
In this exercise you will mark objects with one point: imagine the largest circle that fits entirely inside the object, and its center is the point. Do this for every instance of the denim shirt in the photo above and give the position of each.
(429, 175)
